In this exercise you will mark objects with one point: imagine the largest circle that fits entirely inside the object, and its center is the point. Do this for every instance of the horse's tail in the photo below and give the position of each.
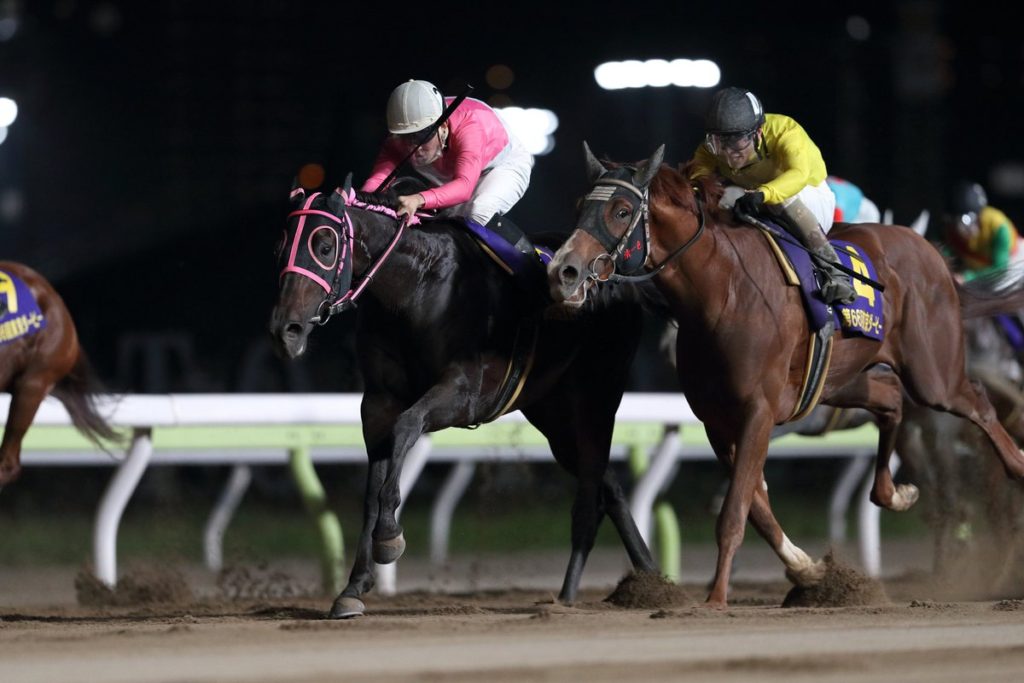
(78, 391)
(990, 295)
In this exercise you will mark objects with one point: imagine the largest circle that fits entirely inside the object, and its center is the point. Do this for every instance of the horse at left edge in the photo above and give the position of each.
(40, 355)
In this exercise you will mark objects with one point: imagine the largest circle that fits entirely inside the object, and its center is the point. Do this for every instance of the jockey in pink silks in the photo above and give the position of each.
(479, 169)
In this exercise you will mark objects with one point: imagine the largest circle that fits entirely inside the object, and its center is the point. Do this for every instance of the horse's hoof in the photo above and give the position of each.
(906, 495)
(807, 576)
(386, 552)
(346, 607)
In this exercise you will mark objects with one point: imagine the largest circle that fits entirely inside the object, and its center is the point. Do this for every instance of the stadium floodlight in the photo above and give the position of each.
(535, 128)
(8, 111)
(658, 73)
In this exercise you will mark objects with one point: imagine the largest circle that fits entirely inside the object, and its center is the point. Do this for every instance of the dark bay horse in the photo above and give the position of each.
(743, 334)
(37, 363)
(436, 336)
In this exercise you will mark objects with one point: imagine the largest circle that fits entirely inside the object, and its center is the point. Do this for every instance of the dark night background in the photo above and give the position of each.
(147, 171)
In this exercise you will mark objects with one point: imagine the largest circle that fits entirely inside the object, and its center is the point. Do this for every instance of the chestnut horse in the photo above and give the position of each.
(743, 334)
(435, 337)
(48, 360)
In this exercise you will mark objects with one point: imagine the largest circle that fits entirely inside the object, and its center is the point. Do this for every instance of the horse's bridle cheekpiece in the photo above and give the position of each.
(339, 295)
(629, 253)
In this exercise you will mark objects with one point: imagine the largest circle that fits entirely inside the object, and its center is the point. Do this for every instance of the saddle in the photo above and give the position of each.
(864, 317)
(512, 250)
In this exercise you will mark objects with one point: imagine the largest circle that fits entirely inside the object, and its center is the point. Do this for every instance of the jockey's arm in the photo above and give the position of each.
(792, 152)
(467, 148)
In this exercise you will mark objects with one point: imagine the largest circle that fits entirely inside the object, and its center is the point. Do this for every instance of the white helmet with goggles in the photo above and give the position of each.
(413, 106)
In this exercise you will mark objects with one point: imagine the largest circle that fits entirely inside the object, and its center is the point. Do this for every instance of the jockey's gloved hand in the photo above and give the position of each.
(749, 205)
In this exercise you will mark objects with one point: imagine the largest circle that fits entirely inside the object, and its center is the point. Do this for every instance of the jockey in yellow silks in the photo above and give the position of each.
(774, 160)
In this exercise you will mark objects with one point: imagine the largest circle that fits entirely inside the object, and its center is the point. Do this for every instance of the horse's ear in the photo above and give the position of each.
(348, 183)
(298, 192)
(595, 169)
(336, 199)
(646, 171)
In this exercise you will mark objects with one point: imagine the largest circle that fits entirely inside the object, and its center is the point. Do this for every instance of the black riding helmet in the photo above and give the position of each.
(967, 197)
(733, 110)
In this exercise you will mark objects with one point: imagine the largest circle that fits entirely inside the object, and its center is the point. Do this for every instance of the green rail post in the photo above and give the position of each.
(315, 501)
(666, 524)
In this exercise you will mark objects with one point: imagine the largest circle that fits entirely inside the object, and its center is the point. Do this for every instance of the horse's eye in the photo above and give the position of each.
(326, 248)
(622, 213)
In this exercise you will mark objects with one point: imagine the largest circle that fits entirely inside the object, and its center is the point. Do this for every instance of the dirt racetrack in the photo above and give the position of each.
(918, 631)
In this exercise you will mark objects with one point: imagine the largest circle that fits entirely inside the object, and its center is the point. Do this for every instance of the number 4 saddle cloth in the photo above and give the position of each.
(20, 315)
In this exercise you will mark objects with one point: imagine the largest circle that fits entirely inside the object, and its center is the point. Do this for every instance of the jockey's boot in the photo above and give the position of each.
(836, 286)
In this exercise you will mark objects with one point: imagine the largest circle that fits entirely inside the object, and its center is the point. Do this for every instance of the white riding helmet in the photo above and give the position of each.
(413, 106)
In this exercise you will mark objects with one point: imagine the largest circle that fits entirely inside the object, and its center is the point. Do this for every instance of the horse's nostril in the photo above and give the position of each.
(569, 274)
(292, 330)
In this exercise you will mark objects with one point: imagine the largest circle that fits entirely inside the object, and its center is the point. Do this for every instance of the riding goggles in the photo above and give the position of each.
(733, 142)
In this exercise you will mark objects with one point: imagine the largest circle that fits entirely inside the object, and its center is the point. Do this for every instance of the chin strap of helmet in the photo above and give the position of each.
(426, 134)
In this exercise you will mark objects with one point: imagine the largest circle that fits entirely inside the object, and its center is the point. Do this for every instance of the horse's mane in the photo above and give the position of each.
(389, 197)
(674, 186)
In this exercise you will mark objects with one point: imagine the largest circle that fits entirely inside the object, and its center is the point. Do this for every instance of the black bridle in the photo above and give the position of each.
(621, 251)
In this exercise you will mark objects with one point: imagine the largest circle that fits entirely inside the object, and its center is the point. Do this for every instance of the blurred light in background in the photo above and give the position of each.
(499, 77)
(8, 19)
(658, 73)
(1008, 179)
(858, 28)
(3, 134)
(311, 176)
(535, 128)
(8, 111)
(8, 27)
(11, 205)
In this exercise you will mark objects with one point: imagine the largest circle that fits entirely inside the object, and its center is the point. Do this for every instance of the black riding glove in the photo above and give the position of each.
(749, 205)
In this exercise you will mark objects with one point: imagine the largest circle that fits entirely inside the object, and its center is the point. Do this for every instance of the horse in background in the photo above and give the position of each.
(744, 340)
(447, 338)
(40, 355)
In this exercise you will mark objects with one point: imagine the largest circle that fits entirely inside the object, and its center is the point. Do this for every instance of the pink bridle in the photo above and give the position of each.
(346, 246)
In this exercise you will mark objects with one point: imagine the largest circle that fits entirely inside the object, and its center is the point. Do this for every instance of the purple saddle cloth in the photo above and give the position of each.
(865, 317)
(517, 260)
(20, 315)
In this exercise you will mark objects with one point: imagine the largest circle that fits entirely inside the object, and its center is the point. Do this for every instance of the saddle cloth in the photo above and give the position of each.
(20, 314)
(865, 317)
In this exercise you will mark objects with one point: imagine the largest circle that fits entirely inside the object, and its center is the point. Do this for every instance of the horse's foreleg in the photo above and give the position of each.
(801, 569)
(587, 512)
(25, 400)
(747, 476)
(361, 580)
(443, 405)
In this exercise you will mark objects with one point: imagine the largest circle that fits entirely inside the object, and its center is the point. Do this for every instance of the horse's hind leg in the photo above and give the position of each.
(25, 399)
(879, 391)
(583, 452)
(617, 507)
(962, 397)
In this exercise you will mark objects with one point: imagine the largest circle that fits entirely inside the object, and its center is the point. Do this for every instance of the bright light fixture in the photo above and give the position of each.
(8, 111)
(535, 128)
(658, 73)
